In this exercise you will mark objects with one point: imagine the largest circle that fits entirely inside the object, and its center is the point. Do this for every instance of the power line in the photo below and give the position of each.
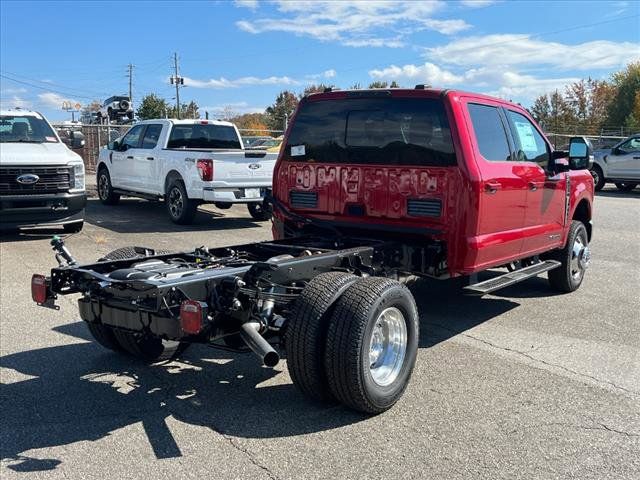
(46, 88)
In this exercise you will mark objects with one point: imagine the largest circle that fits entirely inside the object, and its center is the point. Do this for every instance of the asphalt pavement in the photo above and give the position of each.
(521, 384)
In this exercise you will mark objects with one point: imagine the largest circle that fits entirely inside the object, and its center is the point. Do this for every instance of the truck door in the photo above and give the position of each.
(504, 187)
(145, 161)
(546, 192)
(624, 161)
(123, 167)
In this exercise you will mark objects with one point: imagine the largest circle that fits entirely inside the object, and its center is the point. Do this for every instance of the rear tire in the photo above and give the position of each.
(142, 346)
(74, 227)
(306, 334)
(259, 212)
(181, 210)
(104, 335)
(372, 344)
(598, 177)
(149, 348)
(626, 187)
(574, 259)
(105, 189)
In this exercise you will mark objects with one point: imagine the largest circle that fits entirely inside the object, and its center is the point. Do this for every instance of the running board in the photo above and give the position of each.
(511, 278)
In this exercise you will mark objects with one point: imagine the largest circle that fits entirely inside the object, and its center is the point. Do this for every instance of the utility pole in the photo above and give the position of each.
(177, 80)
(130, 68)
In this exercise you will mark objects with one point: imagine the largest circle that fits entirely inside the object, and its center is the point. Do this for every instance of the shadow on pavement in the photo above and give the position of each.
(140, 216)
(615, 193)
(81, 392)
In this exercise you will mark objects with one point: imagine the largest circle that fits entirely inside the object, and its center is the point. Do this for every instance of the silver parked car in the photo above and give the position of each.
(619, 165)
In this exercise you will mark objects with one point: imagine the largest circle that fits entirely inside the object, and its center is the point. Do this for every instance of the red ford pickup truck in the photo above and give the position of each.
(372, 187)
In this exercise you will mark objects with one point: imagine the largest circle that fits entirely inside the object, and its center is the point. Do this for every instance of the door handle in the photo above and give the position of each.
(150, 158)
(492, 187)
(533, 186)
(130, 157)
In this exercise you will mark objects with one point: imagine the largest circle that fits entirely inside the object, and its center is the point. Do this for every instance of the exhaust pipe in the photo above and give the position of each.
(250, 333)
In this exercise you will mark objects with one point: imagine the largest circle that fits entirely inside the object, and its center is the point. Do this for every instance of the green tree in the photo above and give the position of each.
(284, 106)
(313, 88)
(153, 106)
(379, 84)
(187, 111)
(627, 85)
(541, 110)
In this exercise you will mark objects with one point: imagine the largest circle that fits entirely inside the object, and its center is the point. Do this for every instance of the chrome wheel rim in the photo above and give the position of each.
(387, 346)
(176, 202)
(580, 257)
(103, 186)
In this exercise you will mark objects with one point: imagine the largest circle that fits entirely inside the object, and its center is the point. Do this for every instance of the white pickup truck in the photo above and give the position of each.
(186, 163)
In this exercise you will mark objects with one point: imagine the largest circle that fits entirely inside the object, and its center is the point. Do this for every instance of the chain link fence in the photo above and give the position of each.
(95, 137)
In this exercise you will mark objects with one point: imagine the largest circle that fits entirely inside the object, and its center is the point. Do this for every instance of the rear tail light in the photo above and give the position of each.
(39, 288)
(192, 314)
(205, 169)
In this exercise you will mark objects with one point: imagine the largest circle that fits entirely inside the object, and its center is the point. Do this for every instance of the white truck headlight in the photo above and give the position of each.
(78, 177)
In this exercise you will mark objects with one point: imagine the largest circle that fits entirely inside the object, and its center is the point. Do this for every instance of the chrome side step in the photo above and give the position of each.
(511, 278)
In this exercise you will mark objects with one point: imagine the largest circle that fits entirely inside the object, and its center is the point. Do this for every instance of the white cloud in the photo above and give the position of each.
(513, 49)
(220, 83)
(477, 3)
(250, 4)
(53, 100)
(238, 108)
(13, 91)
(223, 83)
(428, 73)
(356, 24)
(500, 82)
(13, 101)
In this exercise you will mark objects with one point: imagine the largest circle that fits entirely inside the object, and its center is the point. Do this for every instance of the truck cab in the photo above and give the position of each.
(41, 178)
(470, 175)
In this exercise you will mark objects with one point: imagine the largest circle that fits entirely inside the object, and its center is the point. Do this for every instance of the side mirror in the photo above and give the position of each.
(615, 151)
(76, 140)
(115, 145)
(580, 157)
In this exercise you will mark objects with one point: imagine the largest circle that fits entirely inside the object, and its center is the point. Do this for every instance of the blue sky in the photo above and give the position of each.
(239, 55)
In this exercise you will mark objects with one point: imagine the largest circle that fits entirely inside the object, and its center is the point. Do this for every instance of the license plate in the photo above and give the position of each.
(251, 193)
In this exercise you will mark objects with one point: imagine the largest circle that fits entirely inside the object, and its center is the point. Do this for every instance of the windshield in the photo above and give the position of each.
(25, 129)
(384, 131)
(203, 136)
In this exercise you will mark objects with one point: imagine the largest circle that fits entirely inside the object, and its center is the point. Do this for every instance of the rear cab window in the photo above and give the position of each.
(203, 136)
(490, 132)
(151, 136)
(371, 130)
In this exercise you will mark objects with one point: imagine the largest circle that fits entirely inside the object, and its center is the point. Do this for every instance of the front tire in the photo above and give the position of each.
(626, 187)
(598, 177)
(105, 190)
(181, 210)
(259, 212)
(574, 259)
(372, 344)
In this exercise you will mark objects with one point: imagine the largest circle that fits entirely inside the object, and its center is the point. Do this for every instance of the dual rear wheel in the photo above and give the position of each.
(354, 340)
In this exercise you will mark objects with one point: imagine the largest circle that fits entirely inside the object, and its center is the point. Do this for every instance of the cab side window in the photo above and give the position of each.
(530, 144)
(132, 138)
(491, 136)
(151, 136)
(631, 145)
